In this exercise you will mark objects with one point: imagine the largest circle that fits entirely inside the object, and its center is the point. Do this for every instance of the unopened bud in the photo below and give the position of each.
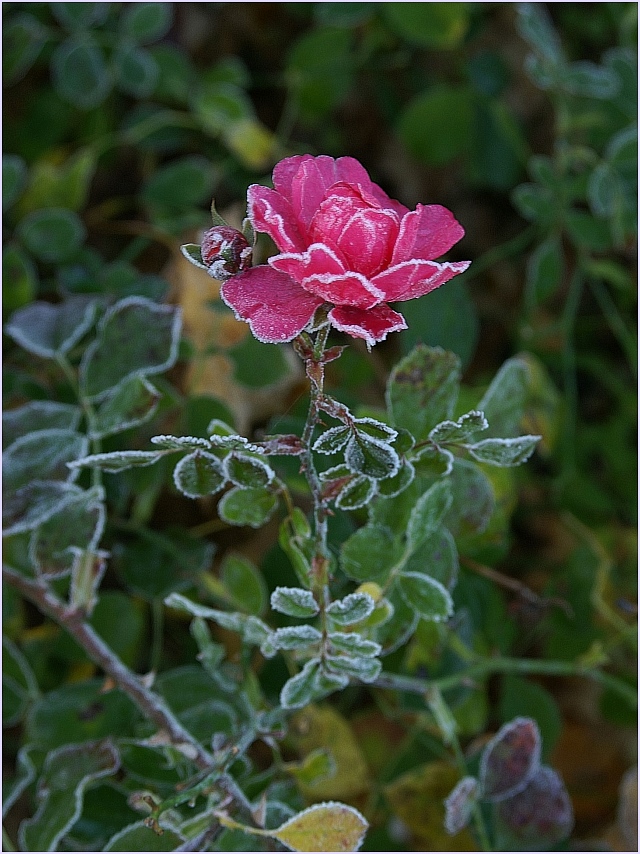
(225, 251)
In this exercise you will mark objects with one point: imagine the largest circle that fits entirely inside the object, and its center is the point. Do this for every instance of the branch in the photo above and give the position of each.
(150, 704)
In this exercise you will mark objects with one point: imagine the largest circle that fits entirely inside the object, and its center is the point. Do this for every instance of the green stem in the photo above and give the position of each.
(569, 368)
(524, 666)
(157, 626)
(88, 410)
(625, 337)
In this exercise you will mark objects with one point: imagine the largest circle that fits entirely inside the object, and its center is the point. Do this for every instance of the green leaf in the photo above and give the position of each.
(587, 232)
(247, 471)
(182, 184)
(535, 203)
(473, 500)
(504, 452)
(14, 176)
(60, 185)
(423, 389)
(116, 461)
(319, 70)
(352, 609)
(146, 22)
(327, 826)
(244, 584)
(429, 461)
(78, 16)
(589, 80)
(296, 637)
(192, 252)
(251, 507)
(428, 513)
(370, 553)
(135, 71)
(605, 191)
(139, 837)
(447, 111)
(371, 457)
(374, 428)
(131, 403)
(439, 554)
(354, 644)
(42, 455)
(49, 330)
(87, 572)
(221, 105)
(504, 401)
(23, 37)
(66, 774)
(177, 559)
(136, 336)
(52, 234)
(181, 443)
(332, 440)
(365, 669)
(19, 276)
(433, 25)
(357, 493)
(19, 686)
(301, 689)
(297, 544)
(79, 72)
(38, 415)
(199, 474)
(447, 319)
(545, 270)
(77, 527)
(80, 712)
(251, 352)
(535, 26)
(26, 508)
(392, 486)
(461, 430)
(25, 775)
(294, 601)
(177, 74)
(428, 598)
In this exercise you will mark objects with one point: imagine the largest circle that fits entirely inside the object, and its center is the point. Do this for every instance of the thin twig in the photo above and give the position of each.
(518, 587)
(151, 705)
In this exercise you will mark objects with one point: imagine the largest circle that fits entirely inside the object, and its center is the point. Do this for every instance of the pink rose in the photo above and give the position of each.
(343, 243)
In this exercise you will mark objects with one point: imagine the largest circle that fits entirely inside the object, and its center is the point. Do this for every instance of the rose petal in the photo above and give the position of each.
(367, 240)
(352, 171)
(321, 272)
(426, 233)
(271, 214)
(373, 325)
(415, 278)
(285, 171)
(276, 307)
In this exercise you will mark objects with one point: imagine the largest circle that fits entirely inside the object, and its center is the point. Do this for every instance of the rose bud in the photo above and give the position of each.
(225, 251)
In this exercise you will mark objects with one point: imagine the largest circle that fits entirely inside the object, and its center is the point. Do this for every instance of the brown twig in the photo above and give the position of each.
(518, 587)
(151, 705)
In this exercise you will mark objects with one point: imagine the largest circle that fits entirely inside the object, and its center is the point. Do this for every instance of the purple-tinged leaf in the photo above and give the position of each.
(510, 759)
(541, 813)
(459, 804)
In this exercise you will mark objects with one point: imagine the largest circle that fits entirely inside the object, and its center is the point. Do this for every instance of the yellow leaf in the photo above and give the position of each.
(417, 798)
(321, 727)
(324, 827)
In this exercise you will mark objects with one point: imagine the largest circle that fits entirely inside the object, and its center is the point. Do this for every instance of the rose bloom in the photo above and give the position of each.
(343, 244)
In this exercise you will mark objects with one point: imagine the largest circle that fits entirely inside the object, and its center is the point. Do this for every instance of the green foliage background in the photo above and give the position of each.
(121, 121)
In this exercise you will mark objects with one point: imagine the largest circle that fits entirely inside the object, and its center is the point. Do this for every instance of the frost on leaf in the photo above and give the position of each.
(329, 826)
(510, 759)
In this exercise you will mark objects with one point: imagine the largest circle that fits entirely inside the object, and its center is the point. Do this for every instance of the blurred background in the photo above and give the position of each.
(123, 120)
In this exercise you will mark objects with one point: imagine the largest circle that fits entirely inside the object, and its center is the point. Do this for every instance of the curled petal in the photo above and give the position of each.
(321, 272)
(426, 233)
(415, 278)
(285, 171)
(373, 325)
(271, 214)
(276, 308)
(367, 240)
